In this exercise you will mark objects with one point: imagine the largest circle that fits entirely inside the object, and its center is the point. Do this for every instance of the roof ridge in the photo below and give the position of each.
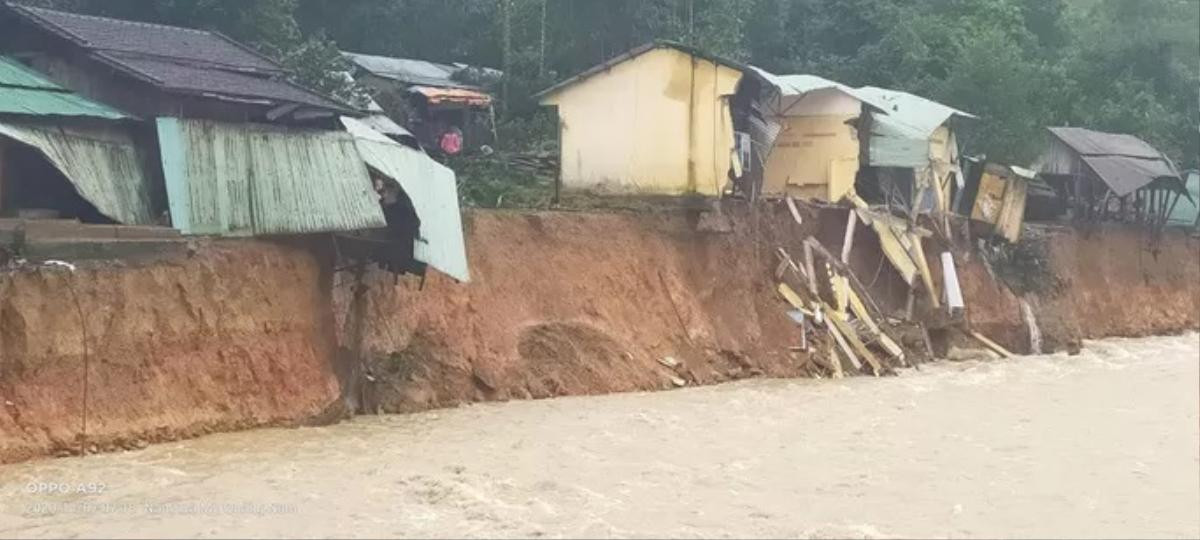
(192, 62)
(37, 11)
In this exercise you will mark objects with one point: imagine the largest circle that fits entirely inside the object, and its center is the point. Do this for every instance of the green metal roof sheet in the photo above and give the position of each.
(433, 190)
(24, 91)
(103, 164)
(923, 115)
(244, 179)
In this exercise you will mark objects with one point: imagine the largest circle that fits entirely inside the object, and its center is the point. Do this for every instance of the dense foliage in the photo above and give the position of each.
(1117, 65)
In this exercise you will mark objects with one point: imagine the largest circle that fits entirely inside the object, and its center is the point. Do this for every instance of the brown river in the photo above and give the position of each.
(1104, 444)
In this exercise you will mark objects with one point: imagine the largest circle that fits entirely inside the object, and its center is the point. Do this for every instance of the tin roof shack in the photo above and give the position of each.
(1111, 176)
(810, 135)
(912, 152)
(444, 111)
(655, 120)
(155, 70)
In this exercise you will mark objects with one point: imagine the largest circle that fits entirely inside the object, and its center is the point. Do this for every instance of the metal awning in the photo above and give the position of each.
(103, 164)
(433, 190)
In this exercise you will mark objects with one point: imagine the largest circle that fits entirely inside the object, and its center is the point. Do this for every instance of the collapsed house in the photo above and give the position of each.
(226, 146)
(807, 129)
(912, 157)
(1111, 176)
(655, 120)
(444, 105)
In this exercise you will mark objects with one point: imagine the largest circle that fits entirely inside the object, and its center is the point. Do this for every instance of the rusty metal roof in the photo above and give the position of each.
(246, 179)
(26, 92)
(462, 96)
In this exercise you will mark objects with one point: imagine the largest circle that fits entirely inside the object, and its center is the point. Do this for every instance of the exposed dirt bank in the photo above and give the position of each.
(250, 333)
(579, 303)
(1111, 282)
(230, 338)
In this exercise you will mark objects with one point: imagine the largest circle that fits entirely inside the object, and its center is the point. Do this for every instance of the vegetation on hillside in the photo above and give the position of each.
(1115, 65)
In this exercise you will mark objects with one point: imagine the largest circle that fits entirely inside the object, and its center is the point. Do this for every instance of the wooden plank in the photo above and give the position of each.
(794, 299)
(885, 341)
(992, 345)
(810, 269)
(848, 334)
(813, 245)
(841, 341)
(791, 204)
(918, 255)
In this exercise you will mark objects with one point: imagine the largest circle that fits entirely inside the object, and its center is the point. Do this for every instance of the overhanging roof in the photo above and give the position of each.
(800, 84)
(921, 114)
(1123, 162)
(178, 60)
(26, 92)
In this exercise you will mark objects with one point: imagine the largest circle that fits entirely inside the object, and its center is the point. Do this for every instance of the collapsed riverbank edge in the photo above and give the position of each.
(237, 334)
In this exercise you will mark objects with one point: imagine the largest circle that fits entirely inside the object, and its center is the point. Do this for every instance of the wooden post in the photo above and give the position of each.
(810, 269)
(848, 241)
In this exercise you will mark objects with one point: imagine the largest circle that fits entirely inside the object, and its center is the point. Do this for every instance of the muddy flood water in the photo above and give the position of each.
(1104, 444)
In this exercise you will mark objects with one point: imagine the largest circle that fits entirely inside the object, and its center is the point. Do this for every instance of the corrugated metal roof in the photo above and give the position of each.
(245, 179)
(104, 165)
(800, 84)
(1098, 143)
(13, 73)
(433, 190)
(175, 59)
(24, 91)
(409, 71)
(924, 115)
(1123, 162)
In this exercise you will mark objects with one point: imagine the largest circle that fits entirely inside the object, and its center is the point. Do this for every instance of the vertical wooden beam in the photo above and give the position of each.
(848, 240)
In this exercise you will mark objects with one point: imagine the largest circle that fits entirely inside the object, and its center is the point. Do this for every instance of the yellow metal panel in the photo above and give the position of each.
(813, 150)
(658, 123)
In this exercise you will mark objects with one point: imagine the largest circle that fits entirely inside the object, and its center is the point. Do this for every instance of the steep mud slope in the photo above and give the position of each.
(231, 337)
(579, 303)
(1103, 283)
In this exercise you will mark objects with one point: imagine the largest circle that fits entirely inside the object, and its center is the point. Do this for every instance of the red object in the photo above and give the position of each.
(451, 142)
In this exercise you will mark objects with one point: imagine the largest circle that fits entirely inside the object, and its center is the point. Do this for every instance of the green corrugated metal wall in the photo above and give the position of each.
(244, 179)
(102, 164)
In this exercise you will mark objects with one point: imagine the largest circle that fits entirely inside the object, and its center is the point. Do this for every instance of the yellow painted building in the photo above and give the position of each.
(816, 152)
(653, 121)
